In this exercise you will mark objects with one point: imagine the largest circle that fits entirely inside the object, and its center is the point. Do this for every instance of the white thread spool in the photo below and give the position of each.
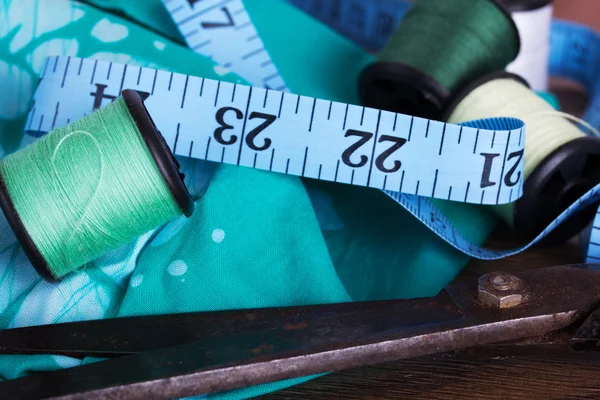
(534, 21)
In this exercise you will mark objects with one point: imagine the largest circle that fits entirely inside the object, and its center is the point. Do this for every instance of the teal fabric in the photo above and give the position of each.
(276, 241)
(551, 99)
(402, 257)
(380, 252)
(149, 14)
(289, 251)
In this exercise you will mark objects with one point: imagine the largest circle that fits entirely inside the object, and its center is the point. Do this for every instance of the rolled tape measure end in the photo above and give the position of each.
(15, 222)
(403, 89)
(559, 181)
(160, 152)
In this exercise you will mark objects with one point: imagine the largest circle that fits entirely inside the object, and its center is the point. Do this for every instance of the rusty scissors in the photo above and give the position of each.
(167, 356)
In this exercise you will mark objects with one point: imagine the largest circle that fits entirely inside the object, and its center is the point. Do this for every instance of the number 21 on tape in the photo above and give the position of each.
(479, 162)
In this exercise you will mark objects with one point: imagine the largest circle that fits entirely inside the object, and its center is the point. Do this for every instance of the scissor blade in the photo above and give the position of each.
(123, 336)
(555, 298)
(323, 330)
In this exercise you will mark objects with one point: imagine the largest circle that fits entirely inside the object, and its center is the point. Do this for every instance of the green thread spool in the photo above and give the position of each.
(91, 187)
(561, 162)
(439, 47)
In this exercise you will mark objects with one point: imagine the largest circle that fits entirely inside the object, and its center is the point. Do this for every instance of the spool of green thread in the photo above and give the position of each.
(91, 187)
(438, 48)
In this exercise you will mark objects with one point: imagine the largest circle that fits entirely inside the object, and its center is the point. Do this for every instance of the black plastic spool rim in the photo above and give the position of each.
(30, 249)
(165, 161)
(403, 89)
(397, 87)
(524, 5)
(561, 179)
(163, 157)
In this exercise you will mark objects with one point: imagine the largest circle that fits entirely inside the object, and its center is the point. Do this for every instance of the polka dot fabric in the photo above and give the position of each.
(256, 239)
(189, 271)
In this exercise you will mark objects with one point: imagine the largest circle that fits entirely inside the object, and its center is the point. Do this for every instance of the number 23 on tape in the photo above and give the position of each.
(477, 162)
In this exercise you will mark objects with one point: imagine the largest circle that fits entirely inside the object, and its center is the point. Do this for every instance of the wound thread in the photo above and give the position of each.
(86, 189)
(561, 162)
(438, 48)
(460, 40)
(547, 129)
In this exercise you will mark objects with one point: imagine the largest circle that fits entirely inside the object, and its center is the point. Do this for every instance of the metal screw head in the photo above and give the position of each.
(501, 282)
(500, 290)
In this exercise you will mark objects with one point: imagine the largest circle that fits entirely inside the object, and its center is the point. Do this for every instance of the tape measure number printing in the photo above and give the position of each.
(297, 135)
(222, 30)
(409, 158)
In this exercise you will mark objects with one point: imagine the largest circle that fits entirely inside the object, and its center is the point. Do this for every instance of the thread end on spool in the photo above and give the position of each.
(559, 181)
(400, 88)
(162, 155)
(30, 249)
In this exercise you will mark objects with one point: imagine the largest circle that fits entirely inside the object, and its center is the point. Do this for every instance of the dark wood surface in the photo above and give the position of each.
(442, 378)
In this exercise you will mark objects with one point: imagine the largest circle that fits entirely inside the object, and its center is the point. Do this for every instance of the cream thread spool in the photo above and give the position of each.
(561, 162)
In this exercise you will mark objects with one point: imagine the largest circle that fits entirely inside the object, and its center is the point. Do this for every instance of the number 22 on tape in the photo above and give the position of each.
(479, 162)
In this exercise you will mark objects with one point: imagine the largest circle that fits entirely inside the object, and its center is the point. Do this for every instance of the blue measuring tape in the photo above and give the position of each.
(575, 49)
(296, 135)
(408, 158)
(222, 31)
(575, 55)
(367, 23)
(267, 129)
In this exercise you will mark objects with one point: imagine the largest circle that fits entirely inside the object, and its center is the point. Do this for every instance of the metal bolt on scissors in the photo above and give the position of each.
(167, 356)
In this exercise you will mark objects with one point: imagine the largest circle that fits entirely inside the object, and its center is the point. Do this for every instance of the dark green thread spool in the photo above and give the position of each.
(438, 48)
(90, 187)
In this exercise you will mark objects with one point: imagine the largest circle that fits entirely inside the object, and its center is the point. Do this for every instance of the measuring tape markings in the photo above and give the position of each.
(385, 23)
(575, 48)
(296, 135)
(372, 22)
(186, 109)
(367, 23)
(427, 213)
(179, 104)
(222, 30)
(438, 223)
(576, 56)
(593, 246)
